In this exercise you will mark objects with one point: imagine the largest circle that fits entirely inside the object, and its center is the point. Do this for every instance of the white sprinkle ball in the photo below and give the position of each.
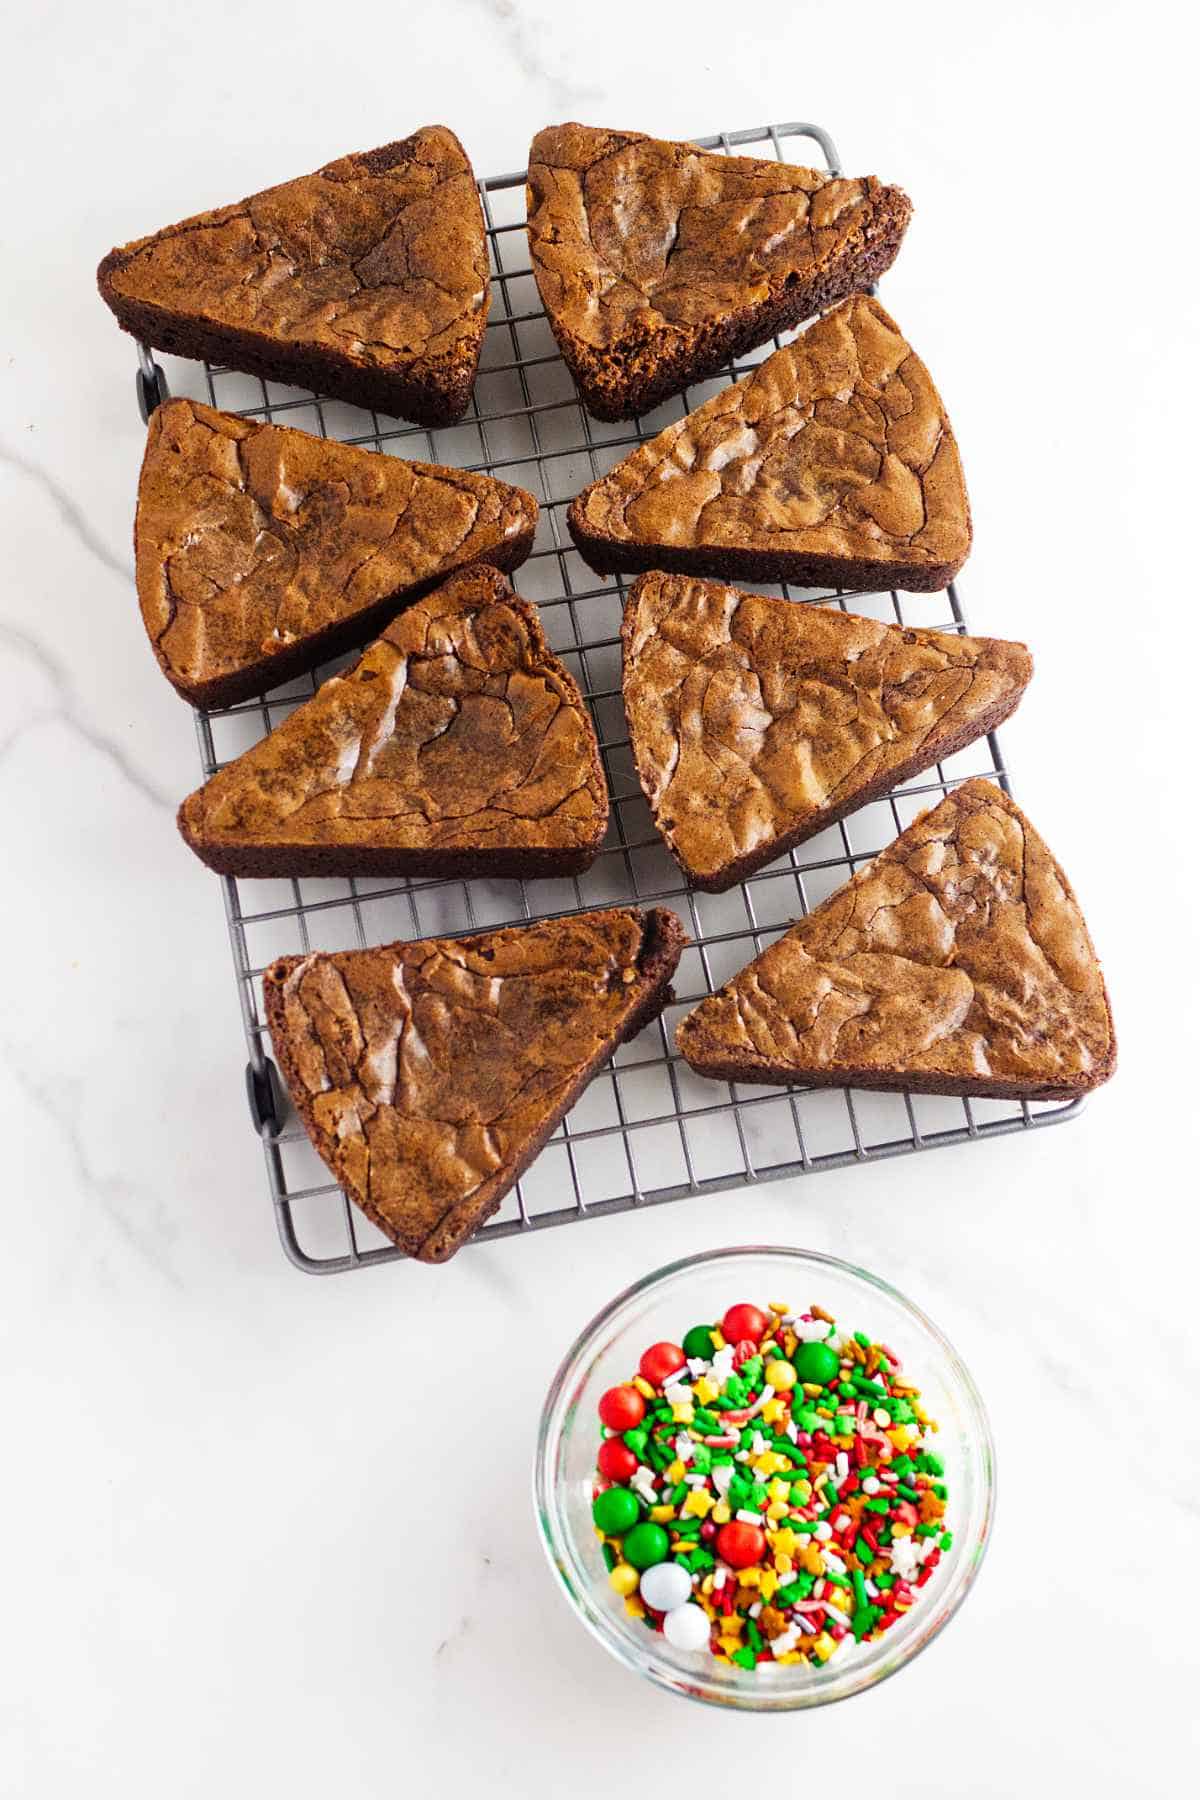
(686, 1627)
(665, 1586)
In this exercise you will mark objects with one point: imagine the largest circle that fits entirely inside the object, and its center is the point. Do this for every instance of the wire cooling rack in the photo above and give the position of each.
(647, 1129)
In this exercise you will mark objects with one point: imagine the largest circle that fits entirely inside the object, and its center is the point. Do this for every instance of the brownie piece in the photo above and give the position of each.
(957, 962)
(429, 1075)
(263, 551)
(831, 465)
(367, 280)
(456, 745)
(656, 262)
(756, 723)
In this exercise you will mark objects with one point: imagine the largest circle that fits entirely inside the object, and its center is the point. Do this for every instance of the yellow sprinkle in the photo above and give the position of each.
(643, 1387)
(706, 1586)
(764, 1464)
(749, 1577)
(768, 1581)
(783, 1541)
(634, 1607)
(803, 1491)
(729, 1645)
(812, 1389)
(775, 1411)
(718, 1338)
(780, 1375)
(783, 1565)
(777, 1510)
(683, 1412)
(706, 1389)
(901, 1528)
(824, 1647)
(721, 1514)
(778, 1490)
(624, 1577)
(677, 1471)
(778, 1306)
(662, 1514)
(697, 1502)
(788, 1656)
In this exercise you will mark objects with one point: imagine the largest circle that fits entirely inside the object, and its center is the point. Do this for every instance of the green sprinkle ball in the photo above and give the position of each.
(815, 1363)
(615, 1511)
(645, 1545)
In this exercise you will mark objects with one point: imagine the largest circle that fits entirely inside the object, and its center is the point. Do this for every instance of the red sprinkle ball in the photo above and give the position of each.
(766, 1492)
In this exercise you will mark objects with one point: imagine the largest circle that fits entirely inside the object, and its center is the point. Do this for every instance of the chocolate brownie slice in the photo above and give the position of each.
(367, 280)
(756, 723)
(430, 1074)
(957, 962)
(262, 551)
(656, 261)
(456, 745)
(832, 464)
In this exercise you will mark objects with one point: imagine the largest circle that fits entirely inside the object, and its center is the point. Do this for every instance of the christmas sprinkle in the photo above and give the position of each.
(766, 1488)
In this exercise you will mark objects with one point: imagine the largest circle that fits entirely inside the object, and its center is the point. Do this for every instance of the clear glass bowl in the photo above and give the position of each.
(664, 1305)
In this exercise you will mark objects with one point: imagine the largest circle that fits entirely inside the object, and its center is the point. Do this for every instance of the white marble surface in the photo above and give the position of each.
(225, 1571)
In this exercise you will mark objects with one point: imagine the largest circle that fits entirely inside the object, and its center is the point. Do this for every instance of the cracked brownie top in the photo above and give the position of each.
(457, 729)
(250, 537)
(627, 232)
(837, 446)
(755, 722)
(646, 250)
(379, 257)
(958, 961)
(429, 1073)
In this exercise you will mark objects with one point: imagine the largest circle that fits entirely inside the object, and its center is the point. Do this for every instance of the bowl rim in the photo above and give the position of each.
(587, 1609)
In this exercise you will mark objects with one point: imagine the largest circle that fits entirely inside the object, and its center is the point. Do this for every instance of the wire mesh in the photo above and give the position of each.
(647, 1129)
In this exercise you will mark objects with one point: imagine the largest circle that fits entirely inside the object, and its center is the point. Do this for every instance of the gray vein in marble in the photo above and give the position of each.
(68, 510)
(66, 712)
(525, 40)
(144, 1226)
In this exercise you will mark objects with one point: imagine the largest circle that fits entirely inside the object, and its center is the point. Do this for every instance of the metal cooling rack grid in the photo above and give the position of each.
(647, 1129)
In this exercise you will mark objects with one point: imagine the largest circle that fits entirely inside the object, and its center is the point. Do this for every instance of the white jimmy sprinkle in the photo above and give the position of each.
(880, 1417)
(824, 1531)
(759, 1443)
(718, 1580)
(722, 1365)
(841, 1522)
(722, 1475)
(833, 1561)
(741, 1456)
(750, 1518)
(787, 1640)
(791, 1431)
(872, 1591)
(756, 1609)
(842, 1465)
(818, 1588)
(685, 1447)
(696, 1480)
(871, 1485)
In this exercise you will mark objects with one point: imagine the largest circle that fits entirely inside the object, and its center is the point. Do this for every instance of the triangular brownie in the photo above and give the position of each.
(656, 262)
(957, 962)
(456, 745)
(430, 1074)
(832, 464)
(262, 551)
(367, 280)
(756, 723)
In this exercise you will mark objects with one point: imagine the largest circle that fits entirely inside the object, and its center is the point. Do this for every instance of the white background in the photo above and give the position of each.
(233, 1557)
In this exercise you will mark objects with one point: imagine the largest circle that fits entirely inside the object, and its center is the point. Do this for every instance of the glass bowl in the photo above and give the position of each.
(663, 1306)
